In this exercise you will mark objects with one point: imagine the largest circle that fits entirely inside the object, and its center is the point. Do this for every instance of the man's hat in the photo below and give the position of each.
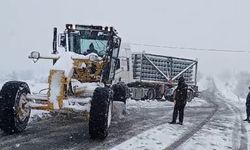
(181, 79)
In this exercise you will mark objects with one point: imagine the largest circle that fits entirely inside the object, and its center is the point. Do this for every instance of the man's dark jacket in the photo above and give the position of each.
(248, 100)
(181, 94)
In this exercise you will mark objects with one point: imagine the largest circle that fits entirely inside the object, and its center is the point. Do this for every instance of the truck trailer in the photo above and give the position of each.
(153, 76)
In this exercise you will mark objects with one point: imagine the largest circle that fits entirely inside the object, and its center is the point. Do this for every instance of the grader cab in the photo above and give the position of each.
(85, 67)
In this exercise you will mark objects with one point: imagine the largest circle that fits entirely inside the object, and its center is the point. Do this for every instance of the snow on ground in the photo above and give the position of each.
(159, 104)
(147, 104)
(156, 138)
(36, 87)
(163, 135)
(226, 90)
(37, 115)
(216, 135)
(119, 107)
(203, 83)
(197, 102)
(160, 136)
(212, 136)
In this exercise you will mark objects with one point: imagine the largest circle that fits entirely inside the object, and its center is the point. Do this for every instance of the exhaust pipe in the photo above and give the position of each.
(54, 43)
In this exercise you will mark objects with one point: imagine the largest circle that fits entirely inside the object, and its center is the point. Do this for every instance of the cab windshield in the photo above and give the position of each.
(85, 42)
(93, 46)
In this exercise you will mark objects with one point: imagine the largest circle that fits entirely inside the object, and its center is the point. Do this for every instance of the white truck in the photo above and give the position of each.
(151, 76)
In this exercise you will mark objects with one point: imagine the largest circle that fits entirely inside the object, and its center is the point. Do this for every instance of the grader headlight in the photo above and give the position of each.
(35, 56)
(93, 58)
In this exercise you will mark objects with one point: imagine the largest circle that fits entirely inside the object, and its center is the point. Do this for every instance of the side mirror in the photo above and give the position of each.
(117, 43)
(118, 64)
(62, 40)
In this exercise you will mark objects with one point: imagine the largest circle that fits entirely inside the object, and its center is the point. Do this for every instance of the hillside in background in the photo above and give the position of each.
(229, 83)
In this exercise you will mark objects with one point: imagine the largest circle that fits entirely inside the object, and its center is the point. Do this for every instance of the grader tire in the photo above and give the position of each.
(14, 111)
(100, 113)
(121, 92)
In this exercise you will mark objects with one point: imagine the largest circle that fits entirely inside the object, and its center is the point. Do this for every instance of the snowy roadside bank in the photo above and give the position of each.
(226, 90)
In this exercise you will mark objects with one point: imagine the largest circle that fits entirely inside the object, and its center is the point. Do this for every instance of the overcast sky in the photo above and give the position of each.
(221, 24)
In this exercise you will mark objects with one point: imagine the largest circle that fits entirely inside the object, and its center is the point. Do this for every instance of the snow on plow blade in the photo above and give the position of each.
(56, 88)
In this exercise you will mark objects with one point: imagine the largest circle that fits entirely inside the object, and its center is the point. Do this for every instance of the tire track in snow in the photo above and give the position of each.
(239, 138)
(189, 134)
(239, 133)
(242, 132)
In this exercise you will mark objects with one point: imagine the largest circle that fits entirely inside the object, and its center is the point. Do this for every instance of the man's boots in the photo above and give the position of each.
(172, 122)
(247, 119)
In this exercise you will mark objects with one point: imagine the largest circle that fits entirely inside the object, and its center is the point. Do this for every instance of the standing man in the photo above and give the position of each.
(180, 100)
(248, 106)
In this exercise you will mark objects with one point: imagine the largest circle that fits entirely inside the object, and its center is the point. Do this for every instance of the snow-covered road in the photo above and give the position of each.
(225, 130)
(211, 122)
(219, 126)
(146, 126)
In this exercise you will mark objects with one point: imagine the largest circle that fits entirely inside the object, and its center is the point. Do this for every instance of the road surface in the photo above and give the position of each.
(64, 132)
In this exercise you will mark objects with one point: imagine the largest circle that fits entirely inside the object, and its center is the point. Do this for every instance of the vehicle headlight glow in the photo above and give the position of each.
(35, 55)
(93, 58)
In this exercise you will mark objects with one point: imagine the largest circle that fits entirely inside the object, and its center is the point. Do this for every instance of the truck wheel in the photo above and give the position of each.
(14, 108)
(151, 94)
(100, 113)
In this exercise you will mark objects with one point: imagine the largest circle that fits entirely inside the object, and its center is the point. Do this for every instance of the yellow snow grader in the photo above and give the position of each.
(84, 67)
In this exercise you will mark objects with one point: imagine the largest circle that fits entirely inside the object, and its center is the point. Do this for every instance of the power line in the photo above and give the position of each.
(192, 48)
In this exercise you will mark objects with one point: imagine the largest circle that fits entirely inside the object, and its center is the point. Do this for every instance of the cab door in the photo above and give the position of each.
(114, 63)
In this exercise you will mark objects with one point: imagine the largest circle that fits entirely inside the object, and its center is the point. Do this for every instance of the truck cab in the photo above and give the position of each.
(124, 72)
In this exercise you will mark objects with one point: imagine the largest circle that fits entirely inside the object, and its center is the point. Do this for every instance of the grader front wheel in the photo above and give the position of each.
(14, 109)
(100, 113)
